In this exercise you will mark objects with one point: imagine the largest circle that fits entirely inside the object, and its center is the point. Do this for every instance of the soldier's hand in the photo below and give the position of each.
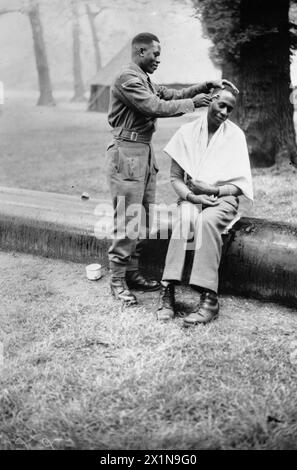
(220, 84)
(230, 84)
(202, 99)
(214, 84)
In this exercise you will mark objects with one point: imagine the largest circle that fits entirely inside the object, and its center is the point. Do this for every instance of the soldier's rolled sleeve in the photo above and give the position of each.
(185, 93)
(134, 94)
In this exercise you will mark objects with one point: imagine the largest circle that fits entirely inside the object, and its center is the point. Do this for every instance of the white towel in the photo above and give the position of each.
(224, 161)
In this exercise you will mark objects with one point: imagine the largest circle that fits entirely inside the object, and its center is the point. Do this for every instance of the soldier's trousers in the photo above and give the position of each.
(202, 232)
(131, 174)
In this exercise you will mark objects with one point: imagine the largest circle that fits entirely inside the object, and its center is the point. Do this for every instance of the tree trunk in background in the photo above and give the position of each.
(264, 109)
(252, 39)
(45, 86)
(92, 17)
(77, 69)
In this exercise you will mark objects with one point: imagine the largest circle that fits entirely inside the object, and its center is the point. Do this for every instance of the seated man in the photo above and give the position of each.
(210, 169)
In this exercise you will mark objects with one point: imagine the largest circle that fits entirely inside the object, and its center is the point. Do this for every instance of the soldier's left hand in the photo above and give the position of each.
(214, 84)
(230, 84)
(221, 84)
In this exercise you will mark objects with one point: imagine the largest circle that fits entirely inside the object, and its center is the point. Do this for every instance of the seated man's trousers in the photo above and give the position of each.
(132, 173)
(202, 232)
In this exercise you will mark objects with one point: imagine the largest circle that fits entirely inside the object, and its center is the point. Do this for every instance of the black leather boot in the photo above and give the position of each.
(135, 280)
(166, 308)
(208, 310)
(120, 291)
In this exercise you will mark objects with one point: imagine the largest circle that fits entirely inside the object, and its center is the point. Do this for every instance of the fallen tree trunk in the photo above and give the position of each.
(259, 260)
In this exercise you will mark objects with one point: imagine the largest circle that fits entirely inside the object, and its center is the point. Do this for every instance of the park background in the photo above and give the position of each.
(77, 371)
(40, 144)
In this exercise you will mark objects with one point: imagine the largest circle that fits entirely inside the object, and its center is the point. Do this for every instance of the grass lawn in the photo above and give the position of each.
(62, 149)
(78, 372)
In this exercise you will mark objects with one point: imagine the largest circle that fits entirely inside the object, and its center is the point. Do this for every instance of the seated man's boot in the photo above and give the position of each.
(135, 280)
(166, 307)
(208, 310)
(120, 291)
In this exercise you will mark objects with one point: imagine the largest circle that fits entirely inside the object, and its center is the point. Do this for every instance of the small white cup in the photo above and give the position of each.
(93, 272)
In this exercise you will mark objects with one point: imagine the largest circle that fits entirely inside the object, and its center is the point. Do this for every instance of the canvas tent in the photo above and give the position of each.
(100, 85)
(184, 61)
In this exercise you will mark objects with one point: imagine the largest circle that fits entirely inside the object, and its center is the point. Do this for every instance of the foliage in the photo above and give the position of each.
(221, 24)
(232, 23)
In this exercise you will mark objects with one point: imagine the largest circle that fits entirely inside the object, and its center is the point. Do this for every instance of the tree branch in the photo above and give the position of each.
(92, 13)
(6, 11)
(96, 13)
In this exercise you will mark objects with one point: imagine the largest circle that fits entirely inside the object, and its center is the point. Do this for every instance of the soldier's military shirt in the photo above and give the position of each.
(136, 103)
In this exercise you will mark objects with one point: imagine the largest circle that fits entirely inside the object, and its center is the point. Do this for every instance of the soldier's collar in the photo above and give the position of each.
(136, 67)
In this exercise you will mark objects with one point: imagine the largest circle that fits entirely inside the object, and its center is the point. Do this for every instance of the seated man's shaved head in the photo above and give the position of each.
(228, 88)
(146, 51)
(221, 106)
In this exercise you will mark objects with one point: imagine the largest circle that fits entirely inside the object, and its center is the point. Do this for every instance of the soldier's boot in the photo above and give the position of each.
(135, 280)
(120, 291)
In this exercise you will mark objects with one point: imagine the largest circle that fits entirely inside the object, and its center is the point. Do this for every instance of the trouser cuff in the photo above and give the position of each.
(171, 276)
(117, 270)
(204, 284)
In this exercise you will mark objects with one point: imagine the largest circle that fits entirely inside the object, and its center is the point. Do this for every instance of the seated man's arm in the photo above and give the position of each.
(229, 190)
(177, 180)
(182, 190)
(199, 187)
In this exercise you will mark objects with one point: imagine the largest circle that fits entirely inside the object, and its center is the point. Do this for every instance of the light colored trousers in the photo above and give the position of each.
(201, 231)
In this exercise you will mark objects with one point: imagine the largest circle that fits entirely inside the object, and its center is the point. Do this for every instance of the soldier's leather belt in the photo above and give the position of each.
(135, 136)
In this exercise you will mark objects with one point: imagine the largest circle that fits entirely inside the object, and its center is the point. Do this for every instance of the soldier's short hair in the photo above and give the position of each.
(144, 38)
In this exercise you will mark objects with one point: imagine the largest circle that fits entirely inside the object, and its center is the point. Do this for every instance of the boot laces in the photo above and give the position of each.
(166, 300)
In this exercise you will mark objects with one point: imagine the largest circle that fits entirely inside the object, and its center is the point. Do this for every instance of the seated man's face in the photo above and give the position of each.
(221, 107)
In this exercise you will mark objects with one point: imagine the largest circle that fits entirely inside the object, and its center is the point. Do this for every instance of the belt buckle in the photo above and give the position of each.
(134, 136)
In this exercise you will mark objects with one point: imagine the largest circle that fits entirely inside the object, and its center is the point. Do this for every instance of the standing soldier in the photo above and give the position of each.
(135, 103)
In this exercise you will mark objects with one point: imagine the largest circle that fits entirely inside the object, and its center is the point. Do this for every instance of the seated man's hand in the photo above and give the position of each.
(199, 187)
(203, 199)
(202, 99)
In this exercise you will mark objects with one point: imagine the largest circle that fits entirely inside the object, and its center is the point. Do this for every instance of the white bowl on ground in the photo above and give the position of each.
(93, 271)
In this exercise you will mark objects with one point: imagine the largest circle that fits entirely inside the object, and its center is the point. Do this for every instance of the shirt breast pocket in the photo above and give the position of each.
(132, 166)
